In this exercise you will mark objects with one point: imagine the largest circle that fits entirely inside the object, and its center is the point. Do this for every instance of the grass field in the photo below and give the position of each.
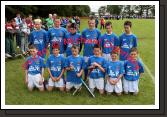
(16, 92)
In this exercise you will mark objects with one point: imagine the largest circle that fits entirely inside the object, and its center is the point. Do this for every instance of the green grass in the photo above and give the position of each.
(17, 93)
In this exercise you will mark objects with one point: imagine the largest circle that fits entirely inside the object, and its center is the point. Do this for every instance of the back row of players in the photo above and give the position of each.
(93, 45)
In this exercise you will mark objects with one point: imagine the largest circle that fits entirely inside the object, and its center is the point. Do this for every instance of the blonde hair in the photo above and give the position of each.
(37, 21)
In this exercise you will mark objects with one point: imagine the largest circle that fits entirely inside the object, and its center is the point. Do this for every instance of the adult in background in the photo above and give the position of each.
(11, 29)
(49, 22)
(18, 23)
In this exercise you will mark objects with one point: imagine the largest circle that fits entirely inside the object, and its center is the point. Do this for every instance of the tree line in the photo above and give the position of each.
(44, 10)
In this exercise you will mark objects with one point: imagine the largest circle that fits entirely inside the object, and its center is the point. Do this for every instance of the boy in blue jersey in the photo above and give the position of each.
(97, 66)
(34, 70)
(127, 41)
(90, 37)
(57, 35)
(74, 66)
(133, 70)
(55, 65)
(72, 38)
(108, 41)
(38, 37)
(115, 71)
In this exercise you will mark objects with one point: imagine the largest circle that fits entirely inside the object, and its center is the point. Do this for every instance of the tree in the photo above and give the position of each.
(114, 9)
(44, 10)
(102, 10)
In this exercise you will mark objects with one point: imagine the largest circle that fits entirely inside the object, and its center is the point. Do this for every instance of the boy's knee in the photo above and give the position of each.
(61, 89)
(50, 88)
(101, 91)
(30, 89)
(41, 89)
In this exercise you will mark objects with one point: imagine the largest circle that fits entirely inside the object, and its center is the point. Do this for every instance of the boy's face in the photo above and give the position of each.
(72, 30)
(91, 24)
(133, 55)
(74, 52)
(33, 52)
(108, 29)
(56, 51)
(97, 51)
(114, 57)
(127, 28)
(37, 25)
(57, 23)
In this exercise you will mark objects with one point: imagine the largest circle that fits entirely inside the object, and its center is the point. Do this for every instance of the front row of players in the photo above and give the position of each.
(120, 76)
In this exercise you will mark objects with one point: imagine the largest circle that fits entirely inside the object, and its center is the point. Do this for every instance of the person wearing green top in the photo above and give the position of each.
(49, 21)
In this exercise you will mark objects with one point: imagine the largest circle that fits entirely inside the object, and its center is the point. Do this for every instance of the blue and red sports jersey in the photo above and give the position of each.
(115, 68)
(71, 39)
(133, 70)
(97, 73)
(56, 64)
(34, 65)
(40, 40)
(126, 43)
(78, 64)
(108, 42)
(90, 38)
(57, 35)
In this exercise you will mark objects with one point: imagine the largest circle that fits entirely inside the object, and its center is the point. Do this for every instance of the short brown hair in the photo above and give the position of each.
(74, 46)
(108, 24)
(32, 46)
(133, 50)
(129, 23)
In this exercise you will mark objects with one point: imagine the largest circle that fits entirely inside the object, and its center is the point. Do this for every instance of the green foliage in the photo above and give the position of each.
(44, 10)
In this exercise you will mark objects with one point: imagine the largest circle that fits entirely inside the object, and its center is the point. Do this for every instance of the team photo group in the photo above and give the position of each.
(105, 56)
(76, 54)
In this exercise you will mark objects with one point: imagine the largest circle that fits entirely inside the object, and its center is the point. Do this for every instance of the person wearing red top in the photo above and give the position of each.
(30, 22)
(102, 23)
(11, 29)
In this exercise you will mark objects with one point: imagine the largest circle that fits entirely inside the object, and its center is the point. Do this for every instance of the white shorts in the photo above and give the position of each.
(111, 88)
(60, 83)
(106, 56)
(33, 81)
(96, 83)
(130, 86)
(69, 85)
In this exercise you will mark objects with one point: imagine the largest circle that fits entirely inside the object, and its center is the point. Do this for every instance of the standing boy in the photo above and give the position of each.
(39, 38)
(108, 41)
(97, 65)
(127, 41)
(57, 35)
(72, 38)
(90, 37)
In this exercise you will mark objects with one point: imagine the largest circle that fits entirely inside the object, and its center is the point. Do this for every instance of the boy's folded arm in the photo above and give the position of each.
(101, 68)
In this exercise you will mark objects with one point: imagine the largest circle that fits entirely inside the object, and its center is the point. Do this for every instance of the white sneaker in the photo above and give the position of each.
(7, 55)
